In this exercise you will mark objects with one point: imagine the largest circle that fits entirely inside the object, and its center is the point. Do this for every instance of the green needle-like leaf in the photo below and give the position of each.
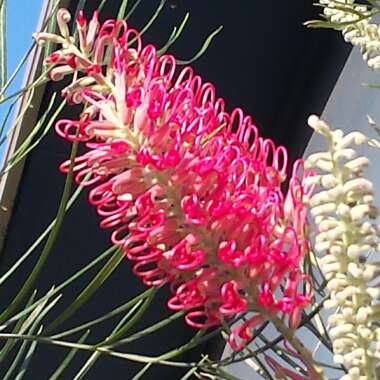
(3, 45)
(122, 10)
(28, 358)
(132, 10)
(23, 292)
(149, 330)
(132, 317)
(66, 283)
(34, 320)
(90, 289)
(203, 49)
(93, 348)
(69, 357)
(106, 316)
(142, 372)
(17, 329)
(176, 33)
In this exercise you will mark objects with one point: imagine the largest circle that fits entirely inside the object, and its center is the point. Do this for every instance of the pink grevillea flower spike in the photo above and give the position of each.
(191, 192)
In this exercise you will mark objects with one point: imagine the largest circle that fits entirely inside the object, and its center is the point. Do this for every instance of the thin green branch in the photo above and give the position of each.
(48, 246)
(87, 347)
(69, 357)
(89, 290)
(127, 322)
(20, 328)
(122, 10)
(3, 43)
(111, 314)
(63, 285)
(133, 9)
(176, 33)
(203, 49)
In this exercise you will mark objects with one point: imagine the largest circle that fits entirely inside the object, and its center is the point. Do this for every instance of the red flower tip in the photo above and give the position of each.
(81, 21)
(266, 298)
(230, 254)
(120, 146)
(233, 302)
(93, 70)
(53, 58)
(71, 60)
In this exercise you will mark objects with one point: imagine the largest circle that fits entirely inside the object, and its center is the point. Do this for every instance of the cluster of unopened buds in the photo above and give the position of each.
(192, 193)
(344, 212)
(353, 18)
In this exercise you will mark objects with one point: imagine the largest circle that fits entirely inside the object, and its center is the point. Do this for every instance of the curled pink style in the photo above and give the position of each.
(192, 193)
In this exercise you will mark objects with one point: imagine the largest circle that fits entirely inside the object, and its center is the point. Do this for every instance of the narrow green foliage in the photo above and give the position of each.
(37, 242)
(15, 72)
(130, 320)
(176, 33)
(149, 330)
(17, 329)
(32, 140)
(3, 44)
(93, 348)
(42, 79)
(34, 320)
(203, 49)
(153, 18)
(18, 358)
(28, 358)
(66, 283)
(80, 6)
(122, 327)
(122, 10)
(23, 292)
(133, 9)
(51, 26)
(90, 289)
(3, 138)
(101, 5)
(94, 357)
(193, 370)
(142, 372)
(24, 59)
(69, 357)
(116, 311)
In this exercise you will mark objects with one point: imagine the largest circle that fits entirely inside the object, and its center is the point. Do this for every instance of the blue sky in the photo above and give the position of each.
(22, 19)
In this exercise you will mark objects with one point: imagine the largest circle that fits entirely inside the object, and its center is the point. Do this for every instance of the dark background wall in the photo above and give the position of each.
(265, 62)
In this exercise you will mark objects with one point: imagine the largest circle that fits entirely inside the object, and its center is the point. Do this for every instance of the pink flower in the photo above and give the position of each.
(192, 193)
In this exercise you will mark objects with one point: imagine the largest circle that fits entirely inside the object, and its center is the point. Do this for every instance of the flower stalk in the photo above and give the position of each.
(191, 192)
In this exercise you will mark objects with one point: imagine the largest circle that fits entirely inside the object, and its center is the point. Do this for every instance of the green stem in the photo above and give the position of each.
(90, 289)
(49, 243)
(95, 261)
(105, 317)
(69, 357)
(307, 357)
(102, 350)
(131, 317)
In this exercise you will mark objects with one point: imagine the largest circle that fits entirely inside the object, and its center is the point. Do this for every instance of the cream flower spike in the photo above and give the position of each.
(360, 33)
(344, 213)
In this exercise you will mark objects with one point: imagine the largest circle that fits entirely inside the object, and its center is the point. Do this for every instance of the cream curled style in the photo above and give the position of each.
(347, 241)
(191, 192)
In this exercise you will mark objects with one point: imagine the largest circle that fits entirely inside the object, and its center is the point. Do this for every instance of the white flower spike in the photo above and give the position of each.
(355, 22)
(344, 213)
